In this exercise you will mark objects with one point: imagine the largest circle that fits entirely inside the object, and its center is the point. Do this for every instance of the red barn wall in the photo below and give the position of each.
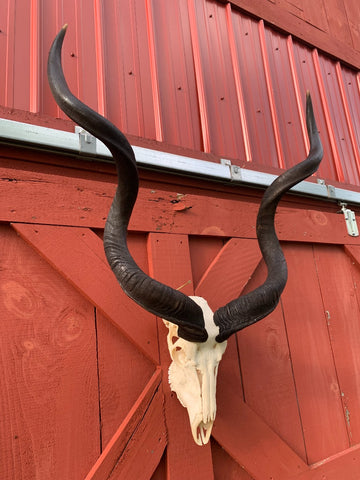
(330, 25)
(84, 390)
(200, 76)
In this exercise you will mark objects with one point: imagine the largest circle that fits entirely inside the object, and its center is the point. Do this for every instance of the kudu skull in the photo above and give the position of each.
(197, 336)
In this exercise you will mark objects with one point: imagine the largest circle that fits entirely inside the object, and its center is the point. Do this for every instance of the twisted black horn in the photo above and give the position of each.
(157, 298)
(254, 306)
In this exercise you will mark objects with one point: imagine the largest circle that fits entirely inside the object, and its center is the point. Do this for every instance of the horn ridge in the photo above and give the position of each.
(252, 307)
(155, 297)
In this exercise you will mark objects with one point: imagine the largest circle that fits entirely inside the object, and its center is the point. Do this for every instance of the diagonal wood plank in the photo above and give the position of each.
(229, 272)
(141, 435)
(224, 280)
(354, 252)
(238, 429)
(266, 371)
(78, 255)
(49, 392)
(343, 465)
(243, 434)
(169, 260)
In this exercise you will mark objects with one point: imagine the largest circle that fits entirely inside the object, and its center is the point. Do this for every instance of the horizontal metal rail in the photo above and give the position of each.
(88, 147)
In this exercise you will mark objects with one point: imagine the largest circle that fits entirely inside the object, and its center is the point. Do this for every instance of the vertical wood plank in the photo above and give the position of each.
(266, 368)
(169, 262)
(140, 436)
(48, 371)
(339, 280)
(315, 377)
(123, 373)
(224, 280)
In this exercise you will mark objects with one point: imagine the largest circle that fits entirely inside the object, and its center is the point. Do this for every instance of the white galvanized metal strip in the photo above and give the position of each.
(86, 146)
(26, 133)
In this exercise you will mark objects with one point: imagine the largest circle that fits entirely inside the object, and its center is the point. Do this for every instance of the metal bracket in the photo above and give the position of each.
(350, 220)
(87, 142)
(235, 171)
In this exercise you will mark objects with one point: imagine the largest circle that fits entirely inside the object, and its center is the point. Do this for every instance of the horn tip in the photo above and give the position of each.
(308, 98)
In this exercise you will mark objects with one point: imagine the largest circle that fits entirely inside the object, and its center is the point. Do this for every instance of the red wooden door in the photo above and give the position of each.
(84, 370)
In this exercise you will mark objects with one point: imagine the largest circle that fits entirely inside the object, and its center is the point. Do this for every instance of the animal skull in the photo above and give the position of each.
(193, 373)
(197, 336)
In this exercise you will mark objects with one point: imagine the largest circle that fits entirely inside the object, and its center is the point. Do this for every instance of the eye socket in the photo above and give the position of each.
(178, 355)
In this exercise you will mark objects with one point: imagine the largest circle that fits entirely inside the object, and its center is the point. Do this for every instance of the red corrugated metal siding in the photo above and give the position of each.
(176, 75)
(199, 74)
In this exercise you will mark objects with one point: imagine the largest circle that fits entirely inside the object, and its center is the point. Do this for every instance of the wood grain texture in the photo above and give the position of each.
(141, 435)
(78, 255)
(304, 21)
(237, 429)
(229, 272)
(338, 283)
(225, 466)
(48, 371)
(160, 472)
(169, 261)
(54, 199)
(266, 369)
(345, 464)
(123, 374)
(240, 431)
(203, 250)
(316, 380)
(243, 434)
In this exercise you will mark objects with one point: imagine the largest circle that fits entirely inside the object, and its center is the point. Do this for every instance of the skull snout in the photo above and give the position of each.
(193, 374)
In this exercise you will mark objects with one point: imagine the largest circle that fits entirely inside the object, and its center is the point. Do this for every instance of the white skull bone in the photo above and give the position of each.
(193, 373)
